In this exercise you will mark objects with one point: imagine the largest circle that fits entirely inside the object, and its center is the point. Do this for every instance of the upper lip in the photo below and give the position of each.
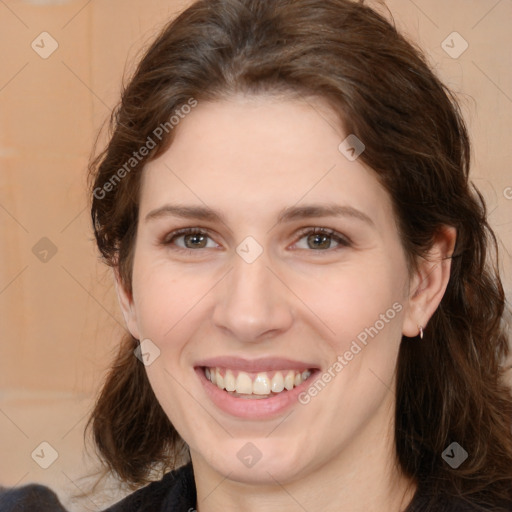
(255, 365)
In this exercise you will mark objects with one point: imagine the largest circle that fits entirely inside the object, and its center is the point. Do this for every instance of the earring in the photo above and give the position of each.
(421, 332)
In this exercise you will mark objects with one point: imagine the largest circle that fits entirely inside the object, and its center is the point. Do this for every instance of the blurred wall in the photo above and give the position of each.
(61, 68)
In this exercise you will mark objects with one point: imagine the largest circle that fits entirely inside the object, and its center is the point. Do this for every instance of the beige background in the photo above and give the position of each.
(59, 318)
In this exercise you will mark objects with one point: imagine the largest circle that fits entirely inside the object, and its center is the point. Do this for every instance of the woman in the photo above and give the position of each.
(314, 319)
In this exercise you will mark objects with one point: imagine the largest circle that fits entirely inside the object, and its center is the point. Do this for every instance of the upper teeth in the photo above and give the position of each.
(256, 384)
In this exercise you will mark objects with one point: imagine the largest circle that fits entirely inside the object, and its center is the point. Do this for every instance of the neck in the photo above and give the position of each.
(363, 476)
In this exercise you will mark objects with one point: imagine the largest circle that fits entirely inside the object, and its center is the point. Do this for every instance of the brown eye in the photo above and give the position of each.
(195, 241)
(319, 241)
(189, 239)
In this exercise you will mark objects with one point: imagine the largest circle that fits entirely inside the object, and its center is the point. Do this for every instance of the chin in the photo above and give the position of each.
(259, 461)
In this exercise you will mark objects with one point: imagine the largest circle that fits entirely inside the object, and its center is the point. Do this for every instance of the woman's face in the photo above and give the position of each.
(293, 266)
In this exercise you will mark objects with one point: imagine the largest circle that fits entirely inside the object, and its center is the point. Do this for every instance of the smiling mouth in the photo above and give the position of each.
(255, 385)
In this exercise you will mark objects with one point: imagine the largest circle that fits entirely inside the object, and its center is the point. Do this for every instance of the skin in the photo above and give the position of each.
(249, 158)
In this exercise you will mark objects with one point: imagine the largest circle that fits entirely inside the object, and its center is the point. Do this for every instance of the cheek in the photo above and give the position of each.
(356, 301)
(165, 299)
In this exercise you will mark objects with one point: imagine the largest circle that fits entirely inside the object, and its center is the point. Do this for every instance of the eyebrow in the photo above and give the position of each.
(186, 212)
(287, 215)
(323, 210)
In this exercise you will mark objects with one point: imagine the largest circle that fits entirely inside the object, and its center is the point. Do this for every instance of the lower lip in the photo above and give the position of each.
(262, 408)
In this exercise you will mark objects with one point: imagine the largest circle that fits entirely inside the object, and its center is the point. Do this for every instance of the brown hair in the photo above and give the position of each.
(450, 385)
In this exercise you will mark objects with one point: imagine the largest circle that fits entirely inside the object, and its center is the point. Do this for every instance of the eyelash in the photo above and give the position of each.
(342, 240)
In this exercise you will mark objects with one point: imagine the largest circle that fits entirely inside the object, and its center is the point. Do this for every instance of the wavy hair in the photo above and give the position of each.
(450, 386)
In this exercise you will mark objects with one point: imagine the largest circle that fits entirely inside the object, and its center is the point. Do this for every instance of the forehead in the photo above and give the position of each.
(261, 154)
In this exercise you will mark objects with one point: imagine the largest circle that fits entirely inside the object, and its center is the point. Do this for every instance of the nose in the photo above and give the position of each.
(252, 303)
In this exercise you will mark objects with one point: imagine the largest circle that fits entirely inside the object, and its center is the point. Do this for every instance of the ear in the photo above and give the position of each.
(429, 282)
(125, 299)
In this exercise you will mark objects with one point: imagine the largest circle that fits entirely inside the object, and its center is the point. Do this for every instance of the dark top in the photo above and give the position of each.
(176, 492)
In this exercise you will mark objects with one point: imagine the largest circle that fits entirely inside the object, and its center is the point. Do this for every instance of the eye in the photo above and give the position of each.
(321, 239)
(190, 239)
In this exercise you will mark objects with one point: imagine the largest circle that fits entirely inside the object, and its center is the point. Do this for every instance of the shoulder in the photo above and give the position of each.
(29, 498)
(175, 492)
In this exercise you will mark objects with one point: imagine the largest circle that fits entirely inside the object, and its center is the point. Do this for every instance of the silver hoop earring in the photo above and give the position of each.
(421, 332)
